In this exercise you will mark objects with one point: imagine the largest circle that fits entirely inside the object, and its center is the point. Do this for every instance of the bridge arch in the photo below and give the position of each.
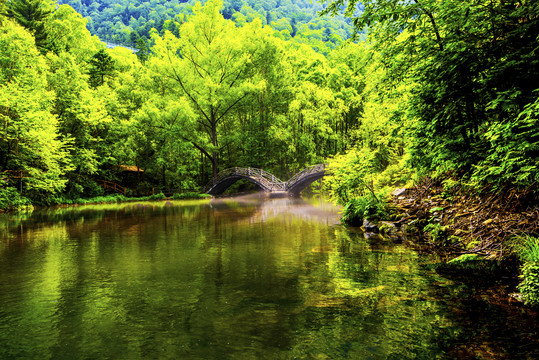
(304, 178)
(265, 180)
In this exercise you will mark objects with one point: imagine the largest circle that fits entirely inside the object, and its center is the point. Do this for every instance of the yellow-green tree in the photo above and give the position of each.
(210, 65)
(29, 136)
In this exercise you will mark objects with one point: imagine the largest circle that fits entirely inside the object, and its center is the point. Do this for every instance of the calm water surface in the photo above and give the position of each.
(243, 278)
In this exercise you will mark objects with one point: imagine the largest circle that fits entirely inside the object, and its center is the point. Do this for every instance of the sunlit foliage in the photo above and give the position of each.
(529, 253)
(437, 89)
(471, 73)
(30, 140)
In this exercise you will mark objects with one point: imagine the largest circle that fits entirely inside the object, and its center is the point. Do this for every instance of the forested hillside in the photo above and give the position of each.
(124, 21)
(441, 90)
(74, 113)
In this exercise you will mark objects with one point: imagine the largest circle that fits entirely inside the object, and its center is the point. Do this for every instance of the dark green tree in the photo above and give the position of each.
(101, 67)
(143, 51)
(293, 24)
(32, 15)
(327, 34)
(470, 66)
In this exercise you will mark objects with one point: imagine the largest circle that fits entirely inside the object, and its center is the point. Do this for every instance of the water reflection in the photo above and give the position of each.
(247, 278)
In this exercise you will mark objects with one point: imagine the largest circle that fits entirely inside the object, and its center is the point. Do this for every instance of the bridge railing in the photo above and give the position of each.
(305, 172)
(268, 180)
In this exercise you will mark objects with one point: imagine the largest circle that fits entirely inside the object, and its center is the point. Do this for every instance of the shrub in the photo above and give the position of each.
(529, 287)
(12, 200)
(438, 233)
(353, 213)
(529, 254)
(514, 152)
(364, 207)
(450, 188)
(189, 195)
(101, 199)
(529, 249)
(159, 196)
(83, 187)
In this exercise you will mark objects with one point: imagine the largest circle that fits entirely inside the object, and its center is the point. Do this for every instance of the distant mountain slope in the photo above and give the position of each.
(125, 21)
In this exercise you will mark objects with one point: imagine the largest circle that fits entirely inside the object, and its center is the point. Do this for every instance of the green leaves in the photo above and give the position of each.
(32, 15)
(529, 254)
(29, 134)
(101, 68)
(210, 65)
(529, 287)
(514, 152)
(470, 70)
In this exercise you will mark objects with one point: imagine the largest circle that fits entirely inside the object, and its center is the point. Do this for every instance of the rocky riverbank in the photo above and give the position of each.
(478, 238)
(456, 223)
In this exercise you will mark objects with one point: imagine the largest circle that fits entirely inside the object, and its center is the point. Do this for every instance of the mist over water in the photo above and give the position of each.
(230, 278)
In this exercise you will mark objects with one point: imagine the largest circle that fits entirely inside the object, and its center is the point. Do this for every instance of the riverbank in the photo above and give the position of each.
(465, 223)
(479, 238)
(25, 206)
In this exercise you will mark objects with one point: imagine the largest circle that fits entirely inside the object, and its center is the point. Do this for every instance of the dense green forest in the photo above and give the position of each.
(440, 89)
(466, 74)
(74, 112)
(129, 22)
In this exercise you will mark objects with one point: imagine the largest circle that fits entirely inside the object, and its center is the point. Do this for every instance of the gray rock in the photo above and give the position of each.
(370, 227)
(400, 191)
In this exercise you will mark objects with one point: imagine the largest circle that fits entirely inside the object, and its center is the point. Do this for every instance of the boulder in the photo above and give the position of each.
(370, 227)
(400, 191)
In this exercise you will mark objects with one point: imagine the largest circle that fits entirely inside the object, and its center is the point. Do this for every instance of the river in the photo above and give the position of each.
(237, 278)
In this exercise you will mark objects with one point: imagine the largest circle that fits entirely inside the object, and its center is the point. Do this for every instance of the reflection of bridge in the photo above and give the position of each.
(265, 180)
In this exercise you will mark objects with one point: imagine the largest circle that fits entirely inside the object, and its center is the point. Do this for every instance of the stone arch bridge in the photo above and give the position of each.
(265, 180)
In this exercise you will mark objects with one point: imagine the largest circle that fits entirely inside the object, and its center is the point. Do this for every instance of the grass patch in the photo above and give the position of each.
(121, 198)
(189, 195)
(113, 199)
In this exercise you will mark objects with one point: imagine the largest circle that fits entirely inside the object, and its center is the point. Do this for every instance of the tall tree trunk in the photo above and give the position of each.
(214, 143)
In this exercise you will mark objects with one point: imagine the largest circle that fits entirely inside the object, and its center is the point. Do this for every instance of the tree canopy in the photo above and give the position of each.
(437, 89)
(125, 21)
(472, 72)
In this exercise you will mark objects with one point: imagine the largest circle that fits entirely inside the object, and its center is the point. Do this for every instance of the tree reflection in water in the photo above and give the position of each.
(228, 278)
